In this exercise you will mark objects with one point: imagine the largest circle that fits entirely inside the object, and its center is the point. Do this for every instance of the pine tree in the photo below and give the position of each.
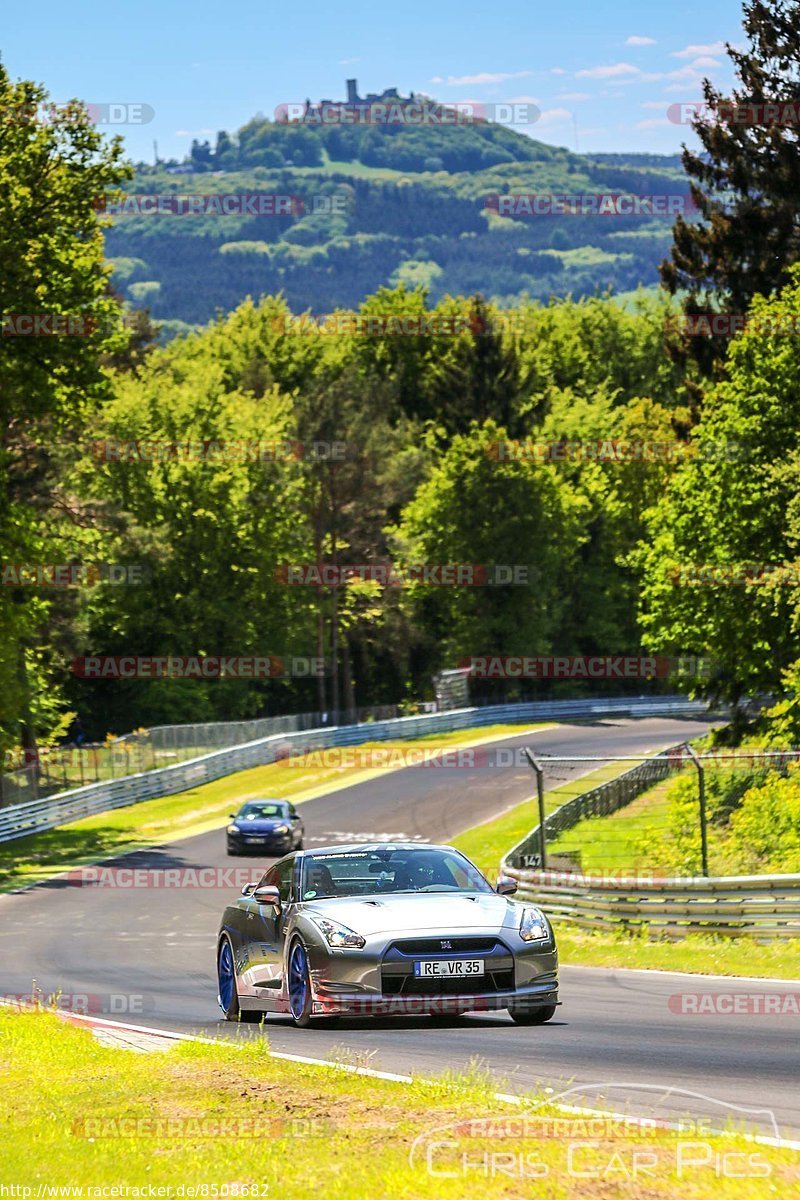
(746, 180)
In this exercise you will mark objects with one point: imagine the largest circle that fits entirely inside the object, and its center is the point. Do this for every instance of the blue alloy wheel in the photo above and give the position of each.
(226, 979)
(299, 987)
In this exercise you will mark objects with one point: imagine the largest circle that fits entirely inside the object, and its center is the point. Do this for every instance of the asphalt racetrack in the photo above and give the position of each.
(146, 956)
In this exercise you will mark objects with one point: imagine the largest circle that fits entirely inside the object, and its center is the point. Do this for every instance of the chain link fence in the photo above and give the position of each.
(677, 814)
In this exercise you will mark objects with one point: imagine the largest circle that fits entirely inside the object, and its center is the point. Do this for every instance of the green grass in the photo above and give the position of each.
(198, 810)
(211, 1116)
(610, 843)
(612, 849)
(698, 953)
(486, 844)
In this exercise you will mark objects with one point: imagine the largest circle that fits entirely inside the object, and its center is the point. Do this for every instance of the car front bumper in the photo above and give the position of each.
(266, 845)
(543, 994)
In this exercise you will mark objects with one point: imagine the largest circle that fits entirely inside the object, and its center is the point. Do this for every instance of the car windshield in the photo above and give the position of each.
(262, 809)
(380, 872)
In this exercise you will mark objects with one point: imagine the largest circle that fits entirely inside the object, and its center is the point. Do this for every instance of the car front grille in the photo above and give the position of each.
(455, 945)
(412, 985)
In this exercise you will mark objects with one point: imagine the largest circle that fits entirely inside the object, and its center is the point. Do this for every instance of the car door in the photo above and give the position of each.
(298, 829)
(265, 934)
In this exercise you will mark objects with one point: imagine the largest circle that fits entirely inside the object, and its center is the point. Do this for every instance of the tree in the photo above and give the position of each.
(476, 508)
(51, 265)
(746, 179)
(720, 568)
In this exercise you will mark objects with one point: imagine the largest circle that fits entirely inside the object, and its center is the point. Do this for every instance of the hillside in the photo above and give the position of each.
(383, 205)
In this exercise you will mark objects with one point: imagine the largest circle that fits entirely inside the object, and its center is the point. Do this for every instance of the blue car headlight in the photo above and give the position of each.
(533, 925)
(281, 829)
(339, 936)
(233, 829)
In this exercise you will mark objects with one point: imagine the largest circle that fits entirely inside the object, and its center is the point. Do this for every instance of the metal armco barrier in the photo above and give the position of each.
(762, 906)
(37, 815)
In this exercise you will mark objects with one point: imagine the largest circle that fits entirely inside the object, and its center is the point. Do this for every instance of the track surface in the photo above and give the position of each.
(147, 956)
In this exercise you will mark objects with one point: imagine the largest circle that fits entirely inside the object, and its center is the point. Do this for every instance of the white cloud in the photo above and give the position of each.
(575, 97)
(557, 71)
(611, 72)
(485, 77)
(693, 51)
(194, 133)
(653, 123)
(555, 116)
(704, 63)
(348, 62)
(654, 104)
(521, 100)
(640, 41)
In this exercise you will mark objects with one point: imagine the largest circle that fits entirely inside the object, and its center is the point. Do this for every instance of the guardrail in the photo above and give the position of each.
(36, 816)
(761, 906)
(766, 906)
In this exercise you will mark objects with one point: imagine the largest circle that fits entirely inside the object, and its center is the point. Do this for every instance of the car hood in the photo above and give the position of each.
(422, 912)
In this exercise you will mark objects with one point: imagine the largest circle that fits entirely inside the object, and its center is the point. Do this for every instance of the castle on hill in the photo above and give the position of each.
(354, 101)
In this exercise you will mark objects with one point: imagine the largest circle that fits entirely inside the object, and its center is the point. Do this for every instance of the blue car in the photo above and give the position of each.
(265, 827)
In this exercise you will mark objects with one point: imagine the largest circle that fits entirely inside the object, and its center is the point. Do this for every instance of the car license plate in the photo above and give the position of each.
(448, 968)
(255, 839)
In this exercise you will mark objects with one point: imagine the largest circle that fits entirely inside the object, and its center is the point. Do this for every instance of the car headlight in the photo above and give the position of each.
(233, 829)
(339, 936)
(533, 926)
(281, 829)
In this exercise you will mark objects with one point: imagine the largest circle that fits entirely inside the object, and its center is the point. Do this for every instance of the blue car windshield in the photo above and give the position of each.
(380, 872)
(262, 810)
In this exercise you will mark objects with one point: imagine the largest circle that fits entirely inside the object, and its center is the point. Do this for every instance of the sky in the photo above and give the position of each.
(603, 75)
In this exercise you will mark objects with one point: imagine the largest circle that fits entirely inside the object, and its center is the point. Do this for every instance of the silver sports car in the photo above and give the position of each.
(383, 929)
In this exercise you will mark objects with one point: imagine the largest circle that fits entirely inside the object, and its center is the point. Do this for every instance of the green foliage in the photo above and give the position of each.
(51, 263)
(735, 502)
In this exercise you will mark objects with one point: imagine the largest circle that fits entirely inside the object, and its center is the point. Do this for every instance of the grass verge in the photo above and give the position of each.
(696, 954)
(201, 809)
(703, 954)
(220, 1121)
(487, 843)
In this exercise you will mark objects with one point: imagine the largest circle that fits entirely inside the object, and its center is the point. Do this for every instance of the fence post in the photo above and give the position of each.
(701, 791)
(539, 769)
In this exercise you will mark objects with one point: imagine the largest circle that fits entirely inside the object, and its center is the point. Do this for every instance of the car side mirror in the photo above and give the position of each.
(268, 895)
(506, 886)
(249, 888)
(232, 816)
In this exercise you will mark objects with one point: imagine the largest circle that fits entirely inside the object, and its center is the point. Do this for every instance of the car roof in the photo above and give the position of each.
(366, 847)
(264, 800)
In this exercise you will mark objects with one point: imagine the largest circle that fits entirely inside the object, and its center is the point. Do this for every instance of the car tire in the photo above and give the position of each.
(299, 984)
(533, 1016)
(226, 978)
